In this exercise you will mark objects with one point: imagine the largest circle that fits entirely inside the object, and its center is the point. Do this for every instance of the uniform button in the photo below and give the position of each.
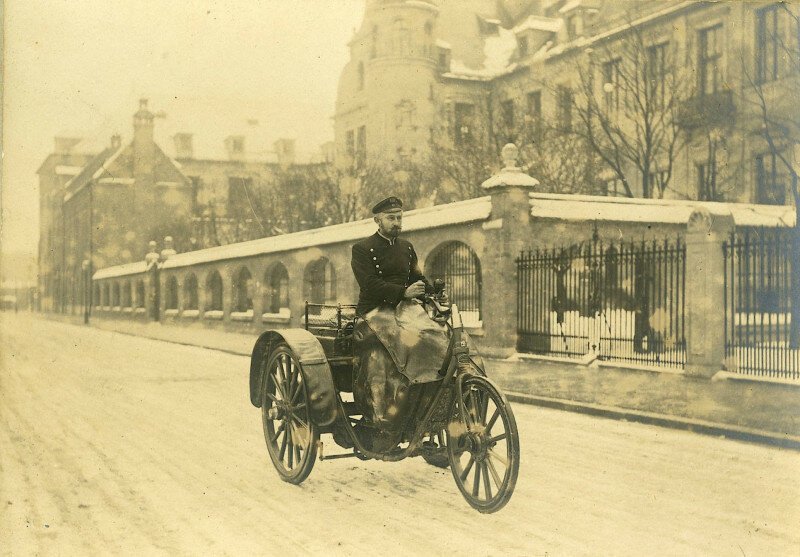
(370, 249)
(377, 266)
(374, 258)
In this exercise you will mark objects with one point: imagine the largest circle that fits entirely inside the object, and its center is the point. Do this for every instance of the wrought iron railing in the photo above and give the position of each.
(762, 316)
(622, 302)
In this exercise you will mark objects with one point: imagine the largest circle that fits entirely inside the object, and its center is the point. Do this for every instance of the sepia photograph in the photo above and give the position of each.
(400, 277)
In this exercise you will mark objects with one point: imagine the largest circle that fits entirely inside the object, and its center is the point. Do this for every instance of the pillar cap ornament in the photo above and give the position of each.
(511, 174)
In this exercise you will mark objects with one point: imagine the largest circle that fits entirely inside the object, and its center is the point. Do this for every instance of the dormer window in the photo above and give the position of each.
(523, 46)
(572, 26)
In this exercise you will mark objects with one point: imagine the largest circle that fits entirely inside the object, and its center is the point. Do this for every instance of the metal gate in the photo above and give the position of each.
(459, 267)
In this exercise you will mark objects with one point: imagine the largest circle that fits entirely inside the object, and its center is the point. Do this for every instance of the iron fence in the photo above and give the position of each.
(762, 325)
(622, 302)
(459, 267)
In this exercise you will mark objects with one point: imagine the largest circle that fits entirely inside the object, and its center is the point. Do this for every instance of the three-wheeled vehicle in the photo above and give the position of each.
(303, 380)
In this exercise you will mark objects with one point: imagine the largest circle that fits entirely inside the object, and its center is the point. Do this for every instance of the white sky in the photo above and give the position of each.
(80, 67)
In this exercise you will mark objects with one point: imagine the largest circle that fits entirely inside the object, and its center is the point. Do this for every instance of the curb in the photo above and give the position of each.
(785, 441)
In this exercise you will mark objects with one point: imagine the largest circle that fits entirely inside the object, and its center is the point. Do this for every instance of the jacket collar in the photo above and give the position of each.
(385, 240)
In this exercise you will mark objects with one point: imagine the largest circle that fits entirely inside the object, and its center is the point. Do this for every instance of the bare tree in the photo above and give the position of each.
(630, 118)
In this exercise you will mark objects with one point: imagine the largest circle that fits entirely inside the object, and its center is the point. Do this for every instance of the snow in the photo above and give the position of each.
(64, 170)
(284, 314)
(498, 51)
(420, 219)
(242, 315)
(443, 44)
(135, 268)
(539, 23)
(673, 211)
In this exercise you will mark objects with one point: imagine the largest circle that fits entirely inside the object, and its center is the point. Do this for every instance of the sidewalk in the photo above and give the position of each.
(748, 410)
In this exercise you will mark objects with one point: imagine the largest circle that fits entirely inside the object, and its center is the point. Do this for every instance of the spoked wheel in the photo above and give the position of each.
(290, 435)
(484, 451)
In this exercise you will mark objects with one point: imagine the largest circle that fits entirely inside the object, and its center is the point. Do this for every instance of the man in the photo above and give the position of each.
(384, 265)
(397, 343)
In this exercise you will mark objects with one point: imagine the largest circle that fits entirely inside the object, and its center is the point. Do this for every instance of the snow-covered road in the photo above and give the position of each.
(112, 444)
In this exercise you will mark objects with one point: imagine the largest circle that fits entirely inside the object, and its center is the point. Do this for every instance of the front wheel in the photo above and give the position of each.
(290, 434)
(483, 446)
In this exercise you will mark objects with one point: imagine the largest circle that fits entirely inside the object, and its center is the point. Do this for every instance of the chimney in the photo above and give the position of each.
(284, 149)
(183, 146)
(234, 146)
(144, 147)
(64, 145)
(116, 141)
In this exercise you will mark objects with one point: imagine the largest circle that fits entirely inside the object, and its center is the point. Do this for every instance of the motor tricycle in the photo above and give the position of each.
(303, 379)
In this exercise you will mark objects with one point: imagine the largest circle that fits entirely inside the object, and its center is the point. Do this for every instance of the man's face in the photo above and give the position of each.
(390, 224)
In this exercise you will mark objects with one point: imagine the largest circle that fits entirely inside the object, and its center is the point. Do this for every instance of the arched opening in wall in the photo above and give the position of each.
(214, 291)
(319, 282)
(106, 295)
(96, 295)
(276, 285)
(115, 295)
(171, 294)
(126, 294)
(360, 75)
(243, 291)
(459, 267)
(190, 292)
(140, 294)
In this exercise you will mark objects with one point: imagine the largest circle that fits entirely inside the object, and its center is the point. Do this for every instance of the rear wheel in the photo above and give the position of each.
(483, 446)
(290, 435)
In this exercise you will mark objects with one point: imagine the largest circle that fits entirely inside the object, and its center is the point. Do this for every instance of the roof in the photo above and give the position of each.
(667, 211)
(135, 268)
(88, 171)
(540, 23)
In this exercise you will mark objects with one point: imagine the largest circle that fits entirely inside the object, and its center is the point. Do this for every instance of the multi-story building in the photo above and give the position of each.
(101, 207)
(672, 90)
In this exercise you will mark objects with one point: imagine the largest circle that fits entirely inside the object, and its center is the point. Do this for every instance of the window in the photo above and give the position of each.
(523, 46)
(615, 188)
(277, 289)
(361, 146)
(350, 143)
(771, 180)
(171, 301)
(237, 145)
(196, 187)
(656, 183)
(463, 117)
(444, 64)
(656, 73)
(564, 108)
(710, 60)
(534, 99)
(319, 282)
(243, 291)
(239, 196)
(190, 292)
(214, 292)
(572, 26)
(360, 76)
(507, 112)
(707, 181)
(768, 43)
(611, 84)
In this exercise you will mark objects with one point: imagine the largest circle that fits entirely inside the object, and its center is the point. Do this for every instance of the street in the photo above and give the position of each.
(114, 444)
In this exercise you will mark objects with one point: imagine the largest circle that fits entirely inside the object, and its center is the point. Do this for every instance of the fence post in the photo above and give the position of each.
(705, 291)
(507, 234)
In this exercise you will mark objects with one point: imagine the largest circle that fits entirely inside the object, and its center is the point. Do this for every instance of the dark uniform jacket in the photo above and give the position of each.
(383, 270)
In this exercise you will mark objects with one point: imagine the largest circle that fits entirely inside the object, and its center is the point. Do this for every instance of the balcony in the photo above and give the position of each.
(711, 110)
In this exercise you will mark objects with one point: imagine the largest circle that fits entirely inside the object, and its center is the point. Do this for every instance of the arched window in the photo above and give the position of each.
(360, 75)
(126, 294)
(115, 295)
(243, 290)
(276, 288)
(214, 292)
(139, 293)
(459, 267)
(106, 294)
(190, 292)
(171, 295)
(319, 282)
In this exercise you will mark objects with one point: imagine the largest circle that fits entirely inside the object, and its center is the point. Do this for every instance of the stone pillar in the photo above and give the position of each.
(705, 291)
(507, 234)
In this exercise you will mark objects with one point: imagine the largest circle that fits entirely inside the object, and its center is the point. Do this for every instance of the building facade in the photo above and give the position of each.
(426, 76)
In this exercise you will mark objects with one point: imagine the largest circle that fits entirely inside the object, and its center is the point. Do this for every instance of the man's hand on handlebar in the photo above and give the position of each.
(415, 290)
